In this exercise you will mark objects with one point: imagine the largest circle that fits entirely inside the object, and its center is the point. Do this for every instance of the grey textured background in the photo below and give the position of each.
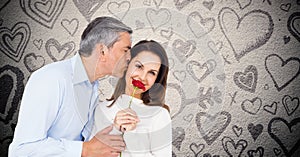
(234, 81)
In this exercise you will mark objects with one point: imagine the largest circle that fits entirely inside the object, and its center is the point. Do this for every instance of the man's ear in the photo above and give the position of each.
(101, 51)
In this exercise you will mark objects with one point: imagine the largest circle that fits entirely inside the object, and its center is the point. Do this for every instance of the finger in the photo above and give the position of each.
(131, 112)
(127, 116)
(118, 149)
(128, 127)
(125, 121)
(116, 138)
(123, 114)
(128, 111)
(114, 154)
(117, 145)
(121, 129)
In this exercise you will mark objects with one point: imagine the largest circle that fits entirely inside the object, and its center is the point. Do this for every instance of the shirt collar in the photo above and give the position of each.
(79, 73)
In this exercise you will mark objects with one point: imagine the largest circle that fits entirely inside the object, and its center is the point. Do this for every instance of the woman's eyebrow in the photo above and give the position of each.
(154, 70)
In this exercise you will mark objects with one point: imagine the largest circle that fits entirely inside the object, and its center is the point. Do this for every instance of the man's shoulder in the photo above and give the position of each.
(59, 69)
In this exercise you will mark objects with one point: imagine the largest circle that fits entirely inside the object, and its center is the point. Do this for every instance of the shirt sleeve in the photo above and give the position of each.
(39, 107)
(161, 135)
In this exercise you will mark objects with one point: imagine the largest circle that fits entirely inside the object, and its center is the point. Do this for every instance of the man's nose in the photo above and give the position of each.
(128, 57)
(128, 54)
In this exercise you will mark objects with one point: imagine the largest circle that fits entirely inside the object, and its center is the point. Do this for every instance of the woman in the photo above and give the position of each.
(150, 133)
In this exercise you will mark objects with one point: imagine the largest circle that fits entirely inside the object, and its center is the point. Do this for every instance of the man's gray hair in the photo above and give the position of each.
(103, 30)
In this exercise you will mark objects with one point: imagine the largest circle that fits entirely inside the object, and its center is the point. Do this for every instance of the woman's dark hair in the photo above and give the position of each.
(155, 96)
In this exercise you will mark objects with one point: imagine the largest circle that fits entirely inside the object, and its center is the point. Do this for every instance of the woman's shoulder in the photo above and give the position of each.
(161, 112)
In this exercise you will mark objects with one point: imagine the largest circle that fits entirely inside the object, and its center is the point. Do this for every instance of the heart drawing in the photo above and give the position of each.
(212, 126)
(285, 7)
(255, 130)
(200, 26)
(38, 43)
(179, 75)
(252, 106)
(208, 4)
(244, 3)
(232, 148)
(290, 104)
(70, 26)
(293, 25)
(45, 12)
(15, 40)
(282, 72)
(200, 71)
(246, 80)
(237, 130)
(88, 7)
(178, 136)
(271, 108)
(286, 134)
(158, 18)
(259, 152)
(167, 33)
(196, 148)
(215, 47)
(12, 87)
(183, 49)
(181, 4)
(3, 4)
(33, 62)
(119, 10)
(58, 52)
(236, 29)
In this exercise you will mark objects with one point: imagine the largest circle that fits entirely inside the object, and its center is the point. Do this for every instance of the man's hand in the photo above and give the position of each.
(126, 120)
(103, 144)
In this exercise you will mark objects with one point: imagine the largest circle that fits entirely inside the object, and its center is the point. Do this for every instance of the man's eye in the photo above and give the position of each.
(138, 66)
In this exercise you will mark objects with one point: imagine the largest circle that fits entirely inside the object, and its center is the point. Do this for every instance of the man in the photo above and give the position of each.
(59, 99)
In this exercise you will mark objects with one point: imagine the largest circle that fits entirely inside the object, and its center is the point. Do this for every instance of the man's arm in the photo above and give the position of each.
(39, 108)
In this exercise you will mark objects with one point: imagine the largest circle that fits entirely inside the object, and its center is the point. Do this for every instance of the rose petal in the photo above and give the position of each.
(138, 84)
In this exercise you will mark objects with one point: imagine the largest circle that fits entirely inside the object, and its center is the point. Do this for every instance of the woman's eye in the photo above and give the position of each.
(152, 73)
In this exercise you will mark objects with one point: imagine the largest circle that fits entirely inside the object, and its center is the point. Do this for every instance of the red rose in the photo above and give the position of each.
(138, 84)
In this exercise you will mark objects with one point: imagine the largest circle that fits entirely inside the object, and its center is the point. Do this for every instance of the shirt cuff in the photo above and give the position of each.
(73, 148)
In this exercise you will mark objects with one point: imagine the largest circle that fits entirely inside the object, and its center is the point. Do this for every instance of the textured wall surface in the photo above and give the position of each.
(233, 86)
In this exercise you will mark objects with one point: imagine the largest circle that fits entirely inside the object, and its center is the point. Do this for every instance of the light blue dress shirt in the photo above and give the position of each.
(57, 103)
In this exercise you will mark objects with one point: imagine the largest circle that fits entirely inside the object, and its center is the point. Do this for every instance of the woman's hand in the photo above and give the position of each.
(126, 120)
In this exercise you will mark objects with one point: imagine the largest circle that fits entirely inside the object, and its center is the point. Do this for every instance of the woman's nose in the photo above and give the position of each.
(143, 76)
